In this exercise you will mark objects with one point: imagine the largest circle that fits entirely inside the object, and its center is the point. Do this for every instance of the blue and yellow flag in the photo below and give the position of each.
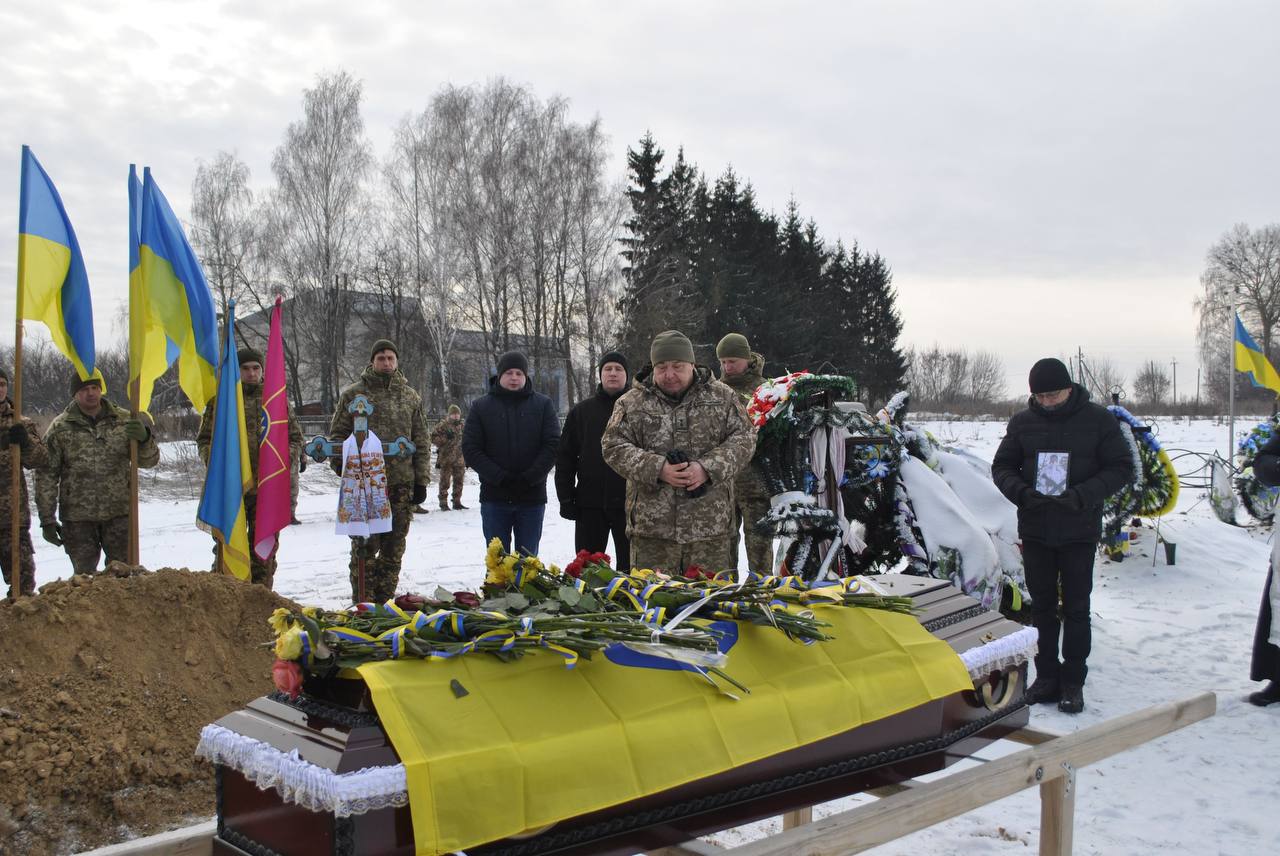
(171, 310)
(1251, 359)
(222, 512)
(53, 285)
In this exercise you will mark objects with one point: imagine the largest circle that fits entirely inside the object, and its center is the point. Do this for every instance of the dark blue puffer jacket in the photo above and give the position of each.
(510, 440)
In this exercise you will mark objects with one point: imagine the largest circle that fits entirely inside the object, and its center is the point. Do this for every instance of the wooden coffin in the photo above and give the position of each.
(333, 725)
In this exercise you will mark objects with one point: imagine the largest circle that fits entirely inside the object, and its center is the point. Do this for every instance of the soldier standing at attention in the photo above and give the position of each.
(742, 370)
(17, 438)
(397, 412)
(680, 437)
(250, 359)
(82, 494)
(447, 438)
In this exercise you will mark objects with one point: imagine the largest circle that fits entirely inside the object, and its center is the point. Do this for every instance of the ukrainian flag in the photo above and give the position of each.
(171, 310)
(53, 286)
(1251, 359)
(222, 512)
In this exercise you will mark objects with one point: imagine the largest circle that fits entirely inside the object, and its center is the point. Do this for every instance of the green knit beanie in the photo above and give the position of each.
(383, 345)
(453, 408)
(671, 345)
(250, 355)
(734, 346)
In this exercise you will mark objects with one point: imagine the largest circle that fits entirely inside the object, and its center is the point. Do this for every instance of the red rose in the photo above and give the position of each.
(601, 559)
(287, 676)
(693, 572)
(574, 569)
(411, 602)
(363, 607)
(466, 599)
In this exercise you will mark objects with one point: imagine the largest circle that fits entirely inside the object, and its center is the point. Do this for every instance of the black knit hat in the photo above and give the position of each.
(613, 357)
(512, 360)
(1049, 375)
(250, 355)
(383, 345)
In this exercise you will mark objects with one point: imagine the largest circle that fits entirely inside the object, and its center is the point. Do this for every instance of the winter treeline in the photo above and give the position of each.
(702, 256)
(491, 212)
(955, 380)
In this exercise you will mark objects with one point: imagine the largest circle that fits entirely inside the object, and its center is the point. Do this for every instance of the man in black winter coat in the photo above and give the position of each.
(1060, 521)
(591, 494)
(510, 440)
(1265, 665)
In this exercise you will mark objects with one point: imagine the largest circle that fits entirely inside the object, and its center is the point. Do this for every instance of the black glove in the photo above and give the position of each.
(419, 494)
(509, 480)
(1072, 499)
(678, 456)
(1029, 498)
(302, 463)
(568, 511)
(52, 533)
(18, 436)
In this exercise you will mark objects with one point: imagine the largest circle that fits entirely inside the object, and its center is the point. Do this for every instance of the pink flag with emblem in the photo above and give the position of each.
(272, 513)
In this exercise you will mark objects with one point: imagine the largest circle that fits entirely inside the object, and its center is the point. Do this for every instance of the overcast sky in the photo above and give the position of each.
(1040, 177)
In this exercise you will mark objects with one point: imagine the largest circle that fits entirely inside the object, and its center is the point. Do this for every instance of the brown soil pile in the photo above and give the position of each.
(105, 683)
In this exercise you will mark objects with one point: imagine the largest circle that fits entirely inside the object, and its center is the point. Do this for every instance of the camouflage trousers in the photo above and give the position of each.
(382, 554)
(260, 572)
(656, 554)
(759, 547)
(454, 473)
(294, 475)
(86, 540)
(26, 557)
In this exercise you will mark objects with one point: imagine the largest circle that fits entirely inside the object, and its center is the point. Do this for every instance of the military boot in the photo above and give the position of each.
(444, 506)
(1072, 700)
(1043, 691)
(1268, 695)
(458, 506)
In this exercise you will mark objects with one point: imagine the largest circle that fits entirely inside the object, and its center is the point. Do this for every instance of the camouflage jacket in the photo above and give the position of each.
(87, 476)
(447, 437)
(37, 456)
(709, 423)
(253, 423)
(397, 412)
(749, 484)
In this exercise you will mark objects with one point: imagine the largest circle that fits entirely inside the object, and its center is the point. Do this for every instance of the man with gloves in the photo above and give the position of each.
(397, 412)
(591, 494)
(1060, 522)
(83, 493)
(510, 440)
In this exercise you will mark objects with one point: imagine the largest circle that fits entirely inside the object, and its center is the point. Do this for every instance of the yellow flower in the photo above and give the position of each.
(501, 571)
(289, 644)
(493, 554)
(279, 620)
(642, 573)
(311, 612)
(555, 570)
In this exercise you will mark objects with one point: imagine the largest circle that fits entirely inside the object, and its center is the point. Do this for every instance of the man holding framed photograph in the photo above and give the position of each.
(1059, 460)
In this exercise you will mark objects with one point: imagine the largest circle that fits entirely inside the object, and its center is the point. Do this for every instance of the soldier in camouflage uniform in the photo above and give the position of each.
(397, 412)
(742, 369)
(677, 405)
(447, 438)
(17, 438)
(83, 494)
(250, 359)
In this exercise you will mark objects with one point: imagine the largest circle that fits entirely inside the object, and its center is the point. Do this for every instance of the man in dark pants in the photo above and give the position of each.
(1265, 665)
(510, 440)
(1060, 524)
(591, 494)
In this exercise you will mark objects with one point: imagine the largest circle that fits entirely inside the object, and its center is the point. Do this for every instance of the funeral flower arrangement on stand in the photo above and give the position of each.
(527, 606)
(1154, 490)
(1259, 500)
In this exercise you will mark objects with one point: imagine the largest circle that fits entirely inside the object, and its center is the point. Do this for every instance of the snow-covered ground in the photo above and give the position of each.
(1160, 633)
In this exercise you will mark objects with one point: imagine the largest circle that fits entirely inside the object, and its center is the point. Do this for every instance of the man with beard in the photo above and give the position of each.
(742, 370)
(591, 494)
(680, 437)
(261, 571)
(397, 412)
(510, 441)
(1060, 529)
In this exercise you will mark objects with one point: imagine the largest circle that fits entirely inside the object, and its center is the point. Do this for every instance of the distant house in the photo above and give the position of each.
(314, 337)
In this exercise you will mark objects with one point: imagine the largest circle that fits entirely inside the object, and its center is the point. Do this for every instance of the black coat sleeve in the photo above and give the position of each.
(473, 437)
(567, 457)
(1266, 466)
(1115, 464)
(1006, 467)
(546, 457)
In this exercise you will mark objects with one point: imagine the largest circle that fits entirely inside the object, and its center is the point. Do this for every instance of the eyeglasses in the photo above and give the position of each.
(1049, 396)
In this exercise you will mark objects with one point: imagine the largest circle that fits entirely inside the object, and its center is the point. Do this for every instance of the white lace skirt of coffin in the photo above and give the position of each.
(1006, 652)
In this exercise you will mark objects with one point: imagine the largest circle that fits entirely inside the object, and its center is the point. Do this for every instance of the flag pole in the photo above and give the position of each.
(15, 457)
(134, 551)
(1231, 385)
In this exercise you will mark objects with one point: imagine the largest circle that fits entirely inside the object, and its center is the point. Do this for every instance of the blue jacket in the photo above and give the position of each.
(510, 440)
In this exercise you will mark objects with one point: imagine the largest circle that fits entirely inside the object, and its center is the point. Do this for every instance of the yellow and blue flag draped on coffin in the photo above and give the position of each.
(1251, 359)
(222, 511)
(171, 310)
(52, 281)
(533, 743)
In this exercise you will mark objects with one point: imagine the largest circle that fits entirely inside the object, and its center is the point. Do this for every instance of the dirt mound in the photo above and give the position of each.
(105, 683)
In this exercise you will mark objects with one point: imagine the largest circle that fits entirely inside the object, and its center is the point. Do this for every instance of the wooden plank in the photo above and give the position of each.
(1031, 736)
(799, 817)
(886, 820)
(695, 847)
(1057, 815)
(189, 841)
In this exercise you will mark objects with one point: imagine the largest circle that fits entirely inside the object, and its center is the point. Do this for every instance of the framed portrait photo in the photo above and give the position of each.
(1051, 472)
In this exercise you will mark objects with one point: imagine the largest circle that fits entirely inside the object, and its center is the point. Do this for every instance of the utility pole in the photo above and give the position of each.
(1175, 381)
